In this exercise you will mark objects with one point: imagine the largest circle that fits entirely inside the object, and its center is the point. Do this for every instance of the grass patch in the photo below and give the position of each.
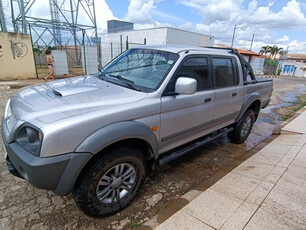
(289, 111)
(134, 222)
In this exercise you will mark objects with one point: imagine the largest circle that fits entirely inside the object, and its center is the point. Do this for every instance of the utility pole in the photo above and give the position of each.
(24, 22)
(252, 42)
(234, 35)
(2, 18)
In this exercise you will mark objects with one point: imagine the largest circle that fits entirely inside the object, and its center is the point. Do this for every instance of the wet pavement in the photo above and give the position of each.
(25, 207)
(269, 191)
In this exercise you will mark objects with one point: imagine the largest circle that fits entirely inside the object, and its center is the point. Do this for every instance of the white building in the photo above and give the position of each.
(293, 68)
(115, 43)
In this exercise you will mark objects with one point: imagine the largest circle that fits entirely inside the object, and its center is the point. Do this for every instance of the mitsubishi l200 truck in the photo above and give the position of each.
(98, 135)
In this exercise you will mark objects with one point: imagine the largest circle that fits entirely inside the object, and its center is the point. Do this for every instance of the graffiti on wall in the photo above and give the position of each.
(19, 49)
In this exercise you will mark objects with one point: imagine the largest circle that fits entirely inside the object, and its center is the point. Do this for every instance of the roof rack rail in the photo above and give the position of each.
(221, 48)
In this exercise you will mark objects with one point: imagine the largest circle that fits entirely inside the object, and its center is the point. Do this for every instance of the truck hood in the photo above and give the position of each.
(56, 100)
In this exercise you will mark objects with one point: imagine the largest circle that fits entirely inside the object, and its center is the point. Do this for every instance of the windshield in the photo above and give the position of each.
(140, 69)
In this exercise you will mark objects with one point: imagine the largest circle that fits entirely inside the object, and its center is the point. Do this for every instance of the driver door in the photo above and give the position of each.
(186, 117)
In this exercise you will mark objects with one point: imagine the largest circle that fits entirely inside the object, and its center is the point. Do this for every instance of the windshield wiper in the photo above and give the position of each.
(127, 82)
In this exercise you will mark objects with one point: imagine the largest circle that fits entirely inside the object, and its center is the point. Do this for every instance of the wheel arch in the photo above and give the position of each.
(119, 134)
(252, 102)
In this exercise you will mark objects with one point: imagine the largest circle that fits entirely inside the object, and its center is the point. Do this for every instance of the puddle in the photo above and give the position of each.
(289, 97)
(268, 120)
(270, 108)
(302, 88)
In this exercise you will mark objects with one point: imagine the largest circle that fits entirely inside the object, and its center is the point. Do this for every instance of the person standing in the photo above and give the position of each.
(50, 65)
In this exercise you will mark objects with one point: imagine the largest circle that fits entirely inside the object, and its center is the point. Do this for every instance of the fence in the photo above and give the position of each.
(69, 62)
(113, 45)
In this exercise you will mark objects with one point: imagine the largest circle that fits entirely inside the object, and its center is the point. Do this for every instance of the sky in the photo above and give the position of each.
(271, 22)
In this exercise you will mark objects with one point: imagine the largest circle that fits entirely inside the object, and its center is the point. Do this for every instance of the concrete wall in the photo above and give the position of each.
(16, 56)
(257, 64)
(90, 64)
(111, 43)
(59, 62)
(182, 37)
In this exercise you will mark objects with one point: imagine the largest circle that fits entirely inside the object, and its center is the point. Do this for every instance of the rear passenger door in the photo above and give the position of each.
(186, 117)
(229, 95)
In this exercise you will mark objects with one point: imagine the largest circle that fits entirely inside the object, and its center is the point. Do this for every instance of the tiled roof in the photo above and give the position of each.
(296, 56)
(243, 52)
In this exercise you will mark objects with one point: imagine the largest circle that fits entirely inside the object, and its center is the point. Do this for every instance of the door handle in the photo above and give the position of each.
(234, 94)
(207, 100)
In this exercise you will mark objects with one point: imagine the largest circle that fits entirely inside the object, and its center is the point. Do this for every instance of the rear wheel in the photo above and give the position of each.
(111, 183)
(243, 128)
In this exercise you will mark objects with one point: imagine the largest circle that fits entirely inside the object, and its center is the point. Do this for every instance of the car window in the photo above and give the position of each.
(193, 67)
(224, 72)
(143, 69)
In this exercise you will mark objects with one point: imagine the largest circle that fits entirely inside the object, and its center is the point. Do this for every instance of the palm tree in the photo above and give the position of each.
(274, 50)
(264, 50)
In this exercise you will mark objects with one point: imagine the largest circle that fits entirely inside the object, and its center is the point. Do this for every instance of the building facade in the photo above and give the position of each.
(115, 43)
(293, 68)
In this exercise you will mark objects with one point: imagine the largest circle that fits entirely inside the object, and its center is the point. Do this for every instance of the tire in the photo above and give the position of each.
(243, 128)
(111, 183)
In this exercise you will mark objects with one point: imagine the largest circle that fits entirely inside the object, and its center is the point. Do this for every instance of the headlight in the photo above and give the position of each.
(30, 139)
(7, 111)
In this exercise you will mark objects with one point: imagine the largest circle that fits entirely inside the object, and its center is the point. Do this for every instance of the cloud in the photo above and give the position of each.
(139, 11)
(297, 47)
(168, 17)
(283, 39)
(103, 14)
(220, 17)
(41, 9)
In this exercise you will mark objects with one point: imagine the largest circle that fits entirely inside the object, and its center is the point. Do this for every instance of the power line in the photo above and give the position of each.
(260, 13)
(252, 12)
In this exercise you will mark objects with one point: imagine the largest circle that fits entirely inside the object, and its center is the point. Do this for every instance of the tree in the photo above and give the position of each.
(264, 50)
(274, 50)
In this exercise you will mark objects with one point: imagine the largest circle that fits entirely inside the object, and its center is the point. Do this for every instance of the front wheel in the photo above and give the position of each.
(243, 128)
(111, 183)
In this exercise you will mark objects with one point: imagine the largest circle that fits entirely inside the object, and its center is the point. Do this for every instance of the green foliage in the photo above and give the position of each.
(264, 50)
(271, 62)
(273, 50)
(296, 106)
(51, 48)
(36, 50)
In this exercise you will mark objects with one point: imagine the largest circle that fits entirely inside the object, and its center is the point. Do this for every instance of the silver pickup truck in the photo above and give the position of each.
(98, 135)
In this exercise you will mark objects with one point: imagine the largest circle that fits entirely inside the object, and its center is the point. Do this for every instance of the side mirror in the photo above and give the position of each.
(185, 85)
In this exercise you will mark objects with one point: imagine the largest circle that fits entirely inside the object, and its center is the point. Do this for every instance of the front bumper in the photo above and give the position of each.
(56, 173)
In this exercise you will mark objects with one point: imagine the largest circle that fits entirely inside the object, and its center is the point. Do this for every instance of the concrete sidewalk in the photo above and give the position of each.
(267, 191)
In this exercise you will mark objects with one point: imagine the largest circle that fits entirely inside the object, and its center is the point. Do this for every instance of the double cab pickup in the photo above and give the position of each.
(98, 135)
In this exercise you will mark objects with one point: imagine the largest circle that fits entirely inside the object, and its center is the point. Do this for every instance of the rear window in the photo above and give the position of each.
(224, 72)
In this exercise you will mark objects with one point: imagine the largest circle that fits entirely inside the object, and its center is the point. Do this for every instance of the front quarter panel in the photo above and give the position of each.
(116, 132)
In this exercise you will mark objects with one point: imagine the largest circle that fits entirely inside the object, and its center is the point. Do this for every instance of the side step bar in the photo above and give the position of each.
(193, 145)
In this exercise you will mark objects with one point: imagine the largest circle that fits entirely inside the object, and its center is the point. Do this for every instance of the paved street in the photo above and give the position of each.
(23, 206)
(267, 191)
